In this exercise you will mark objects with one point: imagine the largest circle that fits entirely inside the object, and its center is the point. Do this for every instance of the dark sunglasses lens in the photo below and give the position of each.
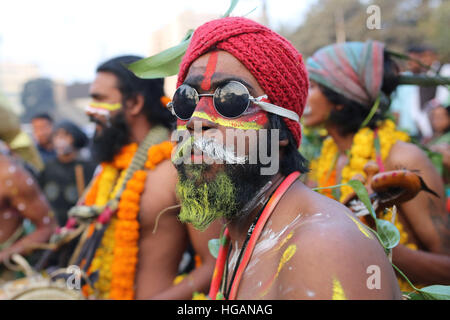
(231, 100)
(184, 101)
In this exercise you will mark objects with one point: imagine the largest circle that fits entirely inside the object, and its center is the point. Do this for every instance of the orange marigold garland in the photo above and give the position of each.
(92, 193)
(126, 239)
(116, 258)
(157, 153)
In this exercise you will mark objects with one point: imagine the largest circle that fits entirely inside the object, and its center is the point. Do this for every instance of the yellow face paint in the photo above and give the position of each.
(338, 291)
(106, 106)
(360, 227)
(230, 123)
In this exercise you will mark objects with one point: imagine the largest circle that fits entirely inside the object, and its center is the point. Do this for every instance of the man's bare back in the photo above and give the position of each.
(314, 248)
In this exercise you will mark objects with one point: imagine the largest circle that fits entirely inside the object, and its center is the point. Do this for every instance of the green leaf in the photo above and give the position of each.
(213, 246)
(437, 160)
(362, 194)
(436, 292)
(371, 113)
(415, 296)
(330, 187)
(163, 64)
(389, 234)
(231, 8)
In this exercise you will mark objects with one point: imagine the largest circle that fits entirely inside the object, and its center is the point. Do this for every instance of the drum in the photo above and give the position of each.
(36, 286)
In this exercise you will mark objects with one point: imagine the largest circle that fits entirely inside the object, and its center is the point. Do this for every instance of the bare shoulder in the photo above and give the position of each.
(406, 155)
(159, 192)
(331, 253)
(162, 179)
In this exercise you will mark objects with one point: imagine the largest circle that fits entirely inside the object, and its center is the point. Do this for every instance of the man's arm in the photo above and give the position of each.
(428, 219)
(199, 279)
(26, 197)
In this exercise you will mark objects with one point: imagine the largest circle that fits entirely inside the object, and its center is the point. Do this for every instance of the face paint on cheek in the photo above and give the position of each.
(258, 117)
(229, 123)
(251, 121)
(181, 124)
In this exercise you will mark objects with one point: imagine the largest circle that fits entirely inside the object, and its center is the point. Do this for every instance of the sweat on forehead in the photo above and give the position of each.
(275, 64)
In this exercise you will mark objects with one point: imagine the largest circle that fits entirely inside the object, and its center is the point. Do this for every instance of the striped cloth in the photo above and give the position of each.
(352, 69)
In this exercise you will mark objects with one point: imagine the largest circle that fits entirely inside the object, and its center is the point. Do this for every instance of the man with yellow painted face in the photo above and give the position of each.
(138, 252)
(282, 241)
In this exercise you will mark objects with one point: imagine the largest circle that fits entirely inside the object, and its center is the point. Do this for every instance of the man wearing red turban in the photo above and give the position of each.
(282, 240)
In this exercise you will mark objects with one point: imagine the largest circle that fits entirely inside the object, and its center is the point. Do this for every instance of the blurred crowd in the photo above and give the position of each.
(44, 176)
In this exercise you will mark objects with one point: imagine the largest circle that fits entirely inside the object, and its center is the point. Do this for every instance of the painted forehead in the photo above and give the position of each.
(217, 66)
(212, 70)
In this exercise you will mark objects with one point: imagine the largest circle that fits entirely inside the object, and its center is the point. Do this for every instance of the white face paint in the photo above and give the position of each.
(21, 206)
(12, 169)
(30, 181)
(46, 220)
(216, 151)
(310, 293)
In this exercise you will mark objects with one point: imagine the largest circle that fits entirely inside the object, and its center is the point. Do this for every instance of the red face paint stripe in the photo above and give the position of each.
(210, 69)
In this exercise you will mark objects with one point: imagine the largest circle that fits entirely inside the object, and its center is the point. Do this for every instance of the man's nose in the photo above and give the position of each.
(202, 117)
(197, 124)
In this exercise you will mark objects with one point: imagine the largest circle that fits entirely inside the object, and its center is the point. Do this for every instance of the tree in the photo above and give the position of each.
(403, 23)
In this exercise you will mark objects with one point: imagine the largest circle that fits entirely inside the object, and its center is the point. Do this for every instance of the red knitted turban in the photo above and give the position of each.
(273, 61)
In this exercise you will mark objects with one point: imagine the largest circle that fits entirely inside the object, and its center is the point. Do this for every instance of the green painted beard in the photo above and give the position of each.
(202, 202)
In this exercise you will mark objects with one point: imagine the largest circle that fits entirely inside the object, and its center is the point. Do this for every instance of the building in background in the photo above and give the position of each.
(13, 77)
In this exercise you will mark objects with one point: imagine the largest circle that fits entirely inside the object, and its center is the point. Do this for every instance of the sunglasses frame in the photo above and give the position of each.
(268, 107)
(198, 96)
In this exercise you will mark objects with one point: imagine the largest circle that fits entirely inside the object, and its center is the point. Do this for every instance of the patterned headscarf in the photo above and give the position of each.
(352, 69)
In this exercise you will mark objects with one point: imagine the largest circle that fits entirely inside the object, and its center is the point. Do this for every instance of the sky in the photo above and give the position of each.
(67, 39)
